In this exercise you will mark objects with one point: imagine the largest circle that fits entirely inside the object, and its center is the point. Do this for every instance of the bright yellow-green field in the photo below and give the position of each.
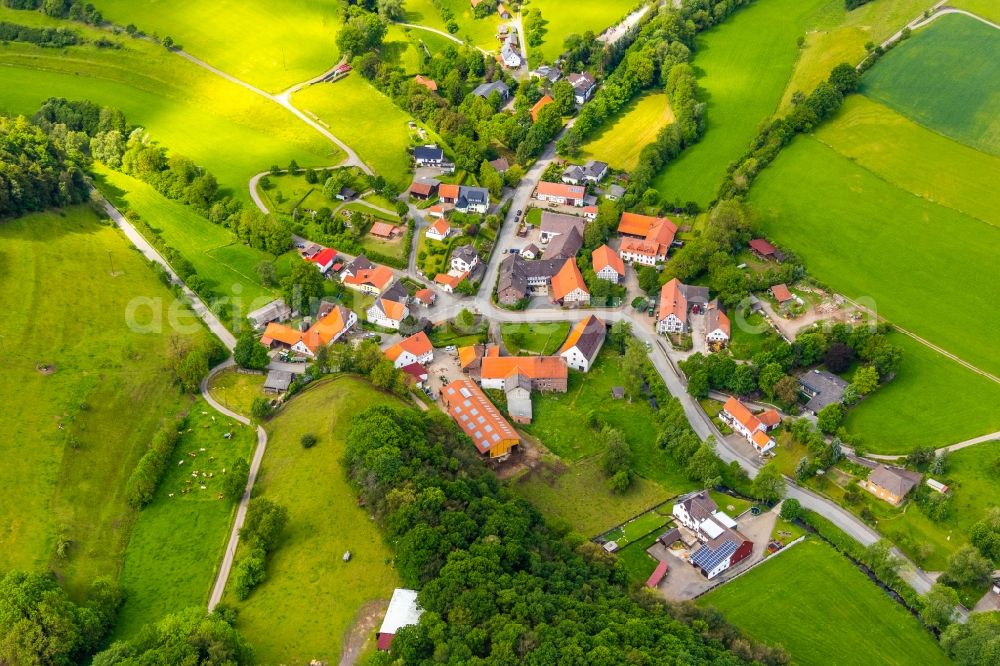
(988, 9)
(574, 18)
(272, 45)
(109, 391)
(311, 596)
(619, 142)
(229, 130)
(479, 32)
(366, 120)
(840, 36)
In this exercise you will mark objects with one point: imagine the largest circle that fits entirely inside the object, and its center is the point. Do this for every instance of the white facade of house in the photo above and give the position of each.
(576, 359)
(462, 266)
(559, 199)
(377, 316)
(642, 258)
(432, 233)
(577, 296)
(671, 324)
(718, 335)
(609, 274)
(409, 358)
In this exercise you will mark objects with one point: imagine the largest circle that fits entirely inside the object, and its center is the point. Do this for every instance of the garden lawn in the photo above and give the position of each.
(947, 78)
(236, 390)
(744, 77)
(868, 238)
(810, 585)
(933, 401)
(227, 266)
(621, 138)
(178, 539)
(269, 44)
(585, 15)
(579, 494)
(638, 563)
(110, 391)
(366, 120)
(310, 598)
(227, 129)
(541, 339)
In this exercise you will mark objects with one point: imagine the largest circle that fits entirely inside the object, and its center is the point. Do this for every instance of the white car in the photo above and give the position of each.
(451, 349)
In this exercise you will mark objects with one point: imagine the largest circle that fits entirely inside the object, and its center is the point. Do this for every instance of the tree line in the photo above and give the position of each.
(45, 37)
(68, 9)
(497, 582)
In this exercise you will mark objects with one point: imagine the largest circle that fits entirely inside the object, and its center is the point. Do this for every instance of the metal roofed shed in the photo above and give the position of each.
(403, 612)
(277, 381)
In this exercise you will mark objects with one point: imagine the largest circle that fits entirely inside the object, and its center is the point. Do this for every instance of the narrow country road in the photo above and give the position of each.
(442, 33)
(982, 439)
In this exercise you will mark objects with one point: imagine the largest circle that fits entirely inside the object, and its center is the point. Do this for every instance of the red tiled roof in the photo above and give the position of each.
(417, 344)
(430, 84)
(448, 191)
(383, 229)
(323, 257)
(562, 190)
(762, 247)
(532, 367)
(604, 256)
(539, 105)
(769, 418)
(469, 407)
(741, 414)
(425, 296)
(781, 293)
(567, 280)
(672, 301)
(423, 189)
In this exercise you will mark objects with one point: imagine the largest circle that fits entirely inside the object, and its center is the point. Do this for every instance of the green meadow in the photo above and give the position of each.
(817, 604)
(272, 45)
(620, 140)
(89, 391)
(743, 76)
(988, 9)
(308, 603)
(947, 78)
(585, 15)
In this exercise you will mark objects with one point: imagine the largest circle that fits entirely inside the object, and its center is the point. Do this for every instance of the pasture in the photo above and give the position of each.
(620, 140)
(366, 120)
(743, 78)
(236, 390)
(918, 79)
(73, 434)
(310, 598)
(785, 599)
(271, 45)
(868, 238)
(479, 32)
(585, 15)
(178, 539)
(227, 266)
(229, 130)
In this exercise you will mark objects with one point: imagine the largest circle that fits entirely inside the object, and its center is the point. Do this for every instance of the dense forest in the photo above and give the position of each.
(499, 585)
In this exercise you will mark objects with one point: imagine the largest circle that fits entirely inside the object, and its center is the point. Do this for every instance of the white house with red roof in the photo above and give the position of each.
(415, 349)
(742, 420)
(717, 325)
(440, 230)
(561, 193)
(323, 259)
(607, 264)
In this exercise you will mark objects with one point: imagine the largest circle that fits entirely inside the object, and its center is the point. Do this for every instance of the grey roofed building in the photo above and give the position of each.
(699, 505)
(592, 338)
(517, 276)
(531, 251)
(896, 480)
(428, 154)
(823, 388)
(564, 245)
(670, 536)
(592, 171)
(396, 293)
(557, 223)
(277, 381)
(466, 253)
(618, 392)
(276, 310)
(359, 263)
(484, 90)
(615, 192)
(517, 389)
(473, 195)
(550, 73)
(695, 295)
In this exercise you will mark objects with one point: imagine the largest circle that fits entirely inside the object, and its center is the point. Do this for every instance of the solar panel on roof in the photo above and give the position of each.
(707, 559)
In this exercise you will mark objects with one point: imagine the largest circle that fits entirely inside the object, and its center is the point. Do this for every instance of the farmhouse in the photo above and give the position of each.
(276, 310)
(478, 418)
(546, 373)
(722, 546)
(414, 349)
(607, 264)
(539, 105)
(646, 239)
(717, 327)
(822, 388)
(520, 278)
(389, 309)
(484, 90)
(568, 286)
(742, 420)
(429, 155)
(583, 86)
(554, 224)
(329, 328)
(564, 246)
(440, 230)
(403, 612)
(591, 172)
(470, 358)
(424, 188)
(671, 315)
(323, 259)
(561, 193)
(509, 53)
(366, 277)
(583, 343)
(890, 483)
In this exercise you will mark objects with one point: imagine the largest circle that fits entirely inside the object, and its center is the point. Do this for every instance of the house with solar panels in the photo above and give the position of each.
(722, 546)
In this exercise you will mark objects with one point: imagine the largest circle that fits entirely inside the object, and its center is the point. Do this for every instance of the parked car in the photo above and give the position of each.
(451, 349)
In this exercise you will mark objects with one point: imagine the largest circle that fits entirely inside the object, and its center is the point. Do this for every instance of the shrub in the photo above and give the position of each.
(142, 482)
(308, 440)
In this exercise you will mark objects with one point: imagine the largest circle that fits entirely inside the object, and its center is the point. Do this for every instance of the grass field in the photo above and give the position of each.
(579, 494)
(177, 541)
(310, 598)
(744, 78)
(271, 45)
(838, 35)
(236, 391)
(367, 120)
(542, 339)
(586, 15)
(918, 79)
(110, 391)
(478, 32)
(986, 8)
(227, 129)
(847, 225)
(619, 141)
(227, 265)
(811, 585)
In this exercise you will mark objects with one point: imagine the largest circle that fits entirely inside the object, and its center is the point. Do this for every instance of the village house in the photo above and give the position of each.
(464, 258)
(564, 246)
(478, 418)
(510, 54)
(568, 286)
(583, 343)
(539, 105)
(722, 545)
(470, 358)
(424, 188)
(484, 90)
(390, 308)
(739, 417)
(822, 388)
(439, 231)
(646, 239)
(429, 155)
(608, 265)
(591, 172)
(415, 349)
(323, 260)
(364, 276)
(717, 326)
(448, 281)
(500, 165)
(425, 297)
(554, 224)
(415, 374)
(531, 251)
(546, 373)
(583, 86)
(332, 323)
(550, 73)
(891, 484)
(276, 310)
(676, 301)
(403, 611)
(465, 199)
(561, 193)
(520, 278)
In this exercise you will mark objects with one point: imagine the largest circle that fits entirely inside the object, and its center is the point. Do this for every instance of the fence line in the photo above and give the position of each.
(752, 566)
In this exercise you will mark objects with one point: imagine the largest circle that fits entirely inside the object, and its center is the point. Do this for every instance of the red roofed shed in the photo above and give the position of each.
(658, 573)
